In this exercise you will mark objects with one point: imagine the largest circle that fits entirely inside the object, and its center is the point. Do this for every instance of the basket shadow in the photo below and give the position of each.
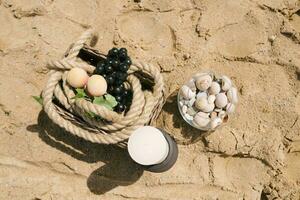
(118, 169)
(187, 131)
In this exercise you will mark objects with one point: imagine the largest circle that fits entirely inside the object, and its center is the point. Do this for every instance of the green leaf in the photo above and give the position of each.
(91, 114)
(102, 102)
(111, 100)
(39, 99)
(80, 93)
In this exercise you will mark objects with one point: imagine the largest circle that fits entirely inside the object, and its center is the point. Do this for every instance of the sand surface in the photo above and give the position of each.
(255, 42)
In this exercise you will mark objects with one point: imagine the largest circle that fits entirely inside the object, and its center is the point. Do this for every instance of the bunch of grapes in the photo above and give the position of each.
(114, 70)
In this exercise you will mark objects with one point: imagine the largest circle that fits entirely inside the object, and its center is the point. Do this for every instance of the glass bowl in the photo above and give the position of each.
(217, 112)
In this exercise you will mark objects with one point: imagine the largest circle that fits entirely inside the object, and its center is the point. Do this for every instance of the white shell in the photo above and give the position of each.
(201, 119)
(187, 93)
(209, 108)
(218, 110)
(215, 88)
(201, 95)
(226, 83)
(203, 82)
(184, 109)
(221, 100)
(230, 108)
(211, 99)
(222, 114)
(232, 95)
(188, 117)
(203, 105)
(215, 123)
(213, 115)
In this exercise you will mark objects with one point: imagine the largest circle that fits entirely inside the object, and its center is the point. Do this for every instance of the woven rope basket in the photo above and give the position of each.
(70, 113)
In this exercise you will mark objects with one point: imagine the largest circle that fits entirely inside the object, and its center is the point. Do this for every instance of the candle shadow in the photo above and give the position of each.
(188, 132)
(118, 169)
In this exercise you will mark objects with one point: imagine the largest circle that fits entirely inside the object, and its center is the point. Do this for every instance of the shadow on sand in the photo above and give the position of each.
(188, 132)
(118, 170)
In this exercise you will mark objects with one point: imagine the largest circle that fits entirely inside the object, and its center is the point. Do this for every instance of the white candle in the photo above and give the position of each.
(148, 146)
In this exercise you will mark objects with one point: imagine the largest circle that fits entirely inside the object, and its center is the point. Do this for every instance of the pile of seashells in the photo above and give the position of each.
(206, 100)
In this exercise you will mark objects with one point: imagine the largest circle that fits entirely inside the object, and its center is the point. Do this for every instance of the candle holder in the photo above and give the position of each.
(153, 149)
(170, 159)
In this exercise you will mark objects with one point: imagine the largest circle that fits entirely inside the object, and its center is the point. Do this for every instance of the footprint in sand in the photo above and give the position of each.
(146, 31)
(240, 40)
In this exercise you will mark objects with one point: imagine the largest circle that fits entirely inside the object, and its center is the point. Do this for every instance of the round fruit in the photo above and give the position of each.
(123, 50)
(118, 82)
(109, 61)
(113, 52)
(120, 108)
(100, 68)
(96, 86)
(123, 67)
(122, 54)
(118, 98)
(114, 74)
(115, 63)
(127, 61)
(77, 77)
(126, 93)
(110, 79)
(118, 90)
(122, 76)
(108, 69)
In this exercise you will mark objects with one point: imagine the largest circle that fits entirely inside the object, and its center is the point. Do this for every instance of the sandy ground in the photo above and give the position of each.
(255, 42)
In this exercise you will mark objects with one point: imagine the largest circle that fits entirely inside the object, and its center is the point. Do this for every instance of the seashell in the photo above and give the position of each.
(184, 109)
(222, 114)
(185, 102)
(181, 103)
(215, 88)
(201, 119)
(230, 108)
(215, 123)
(191, 102)
(188, 117)
(191, 84)
(213, 115)
(211, 99)
(221, 100)
(203, 105)
(232, 95)
(218, 110)
(209, 108)
(191, 111)
(187, 93)
(203, 82)
(226, 83)
(201, 95)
